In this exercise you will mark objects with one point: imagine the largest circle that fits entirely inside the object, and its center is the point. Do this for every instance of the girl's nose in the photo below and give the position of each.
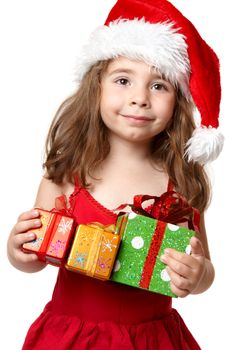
(140, 98)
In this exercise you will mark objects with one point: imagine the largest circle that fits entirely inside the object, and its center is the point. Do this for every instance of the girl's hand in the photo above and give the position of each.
(186, 271)
(27, 262)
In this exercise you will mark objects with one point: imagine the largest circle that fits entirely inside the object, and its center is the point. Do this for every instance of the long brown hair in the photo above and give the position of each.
(189, 178)
(77, 141)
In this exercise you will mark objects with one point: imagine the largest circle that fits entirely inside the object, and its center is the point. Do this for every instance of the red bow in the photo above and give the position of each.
(61, 206)
(170, 207)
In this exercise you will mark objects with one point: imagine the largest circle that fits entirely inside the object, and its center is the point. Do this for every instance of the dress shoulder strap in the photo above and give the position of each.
(170, 185)
(77, 184)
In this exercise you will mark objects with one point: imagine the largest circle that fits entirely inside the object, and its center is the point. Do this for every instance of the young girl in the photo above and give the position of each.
(128, 130)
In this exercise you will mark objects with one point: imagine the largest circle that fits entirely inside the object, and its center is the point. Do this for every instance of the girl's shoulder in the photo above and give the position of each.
(48, 191)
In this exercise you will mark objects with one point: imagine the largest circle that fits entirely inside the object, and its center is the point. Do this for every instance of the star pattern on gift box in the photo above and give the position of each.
(57, 247)
(107, 244)
(84, 239)
(78, 260)
(103, 265)
(64, 226)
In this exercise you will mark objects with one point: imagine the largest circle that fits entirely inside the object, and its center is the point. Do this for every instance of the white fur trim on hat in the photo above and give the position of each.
(159, 44)
(205, 145)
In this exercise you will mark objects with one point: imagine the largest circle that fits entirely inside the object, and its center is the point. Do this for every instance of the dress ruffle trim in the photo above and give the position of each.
(61, 332)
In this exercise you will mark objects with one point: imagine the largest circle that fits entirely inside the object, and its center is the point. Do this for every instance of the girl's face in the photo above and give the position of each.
(136, 103)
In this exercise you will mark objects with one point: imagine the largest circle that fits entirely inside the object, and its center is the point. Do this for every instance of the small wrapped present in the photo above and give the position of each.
(94, 250)
(52, 238)
(144, 240)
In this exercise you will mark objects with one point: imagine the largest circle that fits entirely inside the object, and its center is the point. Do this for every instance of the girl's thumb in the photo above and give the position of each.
(197, 248)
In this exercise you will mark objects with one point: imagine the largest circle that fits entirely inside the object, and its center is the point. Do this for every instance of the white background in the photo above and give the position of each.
(40, 40)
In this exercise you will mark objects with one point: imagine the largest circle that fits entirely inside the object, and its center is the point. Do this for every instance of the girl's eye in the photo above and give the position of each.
(122, 81)
(159, 86)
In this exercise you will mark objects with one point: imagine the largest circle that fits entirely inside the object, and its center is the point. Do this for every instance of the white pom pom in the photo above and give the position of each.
(205, 145)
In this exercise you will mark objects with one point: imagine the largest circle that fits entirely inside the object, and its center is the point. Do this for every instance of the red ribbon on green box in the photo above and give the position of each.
(172, 208)
(152, 254)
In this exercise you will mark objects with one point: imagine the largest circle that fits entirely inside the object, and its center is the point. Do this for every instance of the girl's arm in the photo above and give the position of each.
(28, 262)
(200, 247)
(190, 274)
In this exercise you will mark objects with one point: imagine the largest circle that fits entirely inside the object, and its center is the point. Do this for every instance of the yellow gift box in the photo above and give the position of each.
(94, 250)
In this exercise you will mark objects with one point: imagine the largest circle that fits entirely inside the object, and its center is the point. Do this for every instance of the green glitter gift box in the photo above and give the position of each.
(144, 239)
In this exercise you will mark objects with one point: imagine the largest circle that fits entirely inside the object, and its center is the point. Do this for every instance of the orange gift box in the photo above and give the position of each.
(94, 250)
(52, 238)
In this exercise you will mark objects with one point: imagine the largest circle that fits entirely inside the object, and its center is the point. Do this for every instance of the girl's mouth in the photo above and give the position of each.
(138, 118)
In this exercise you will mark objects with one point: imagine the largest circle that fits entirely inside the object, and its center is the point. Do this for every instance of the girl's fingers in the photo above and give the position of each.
(31, 214)
(22, 231)
(183, 258)
(23, 238)
(24, 226)
(25, 257)
(179, 281)
(179, 292)
(175, 265)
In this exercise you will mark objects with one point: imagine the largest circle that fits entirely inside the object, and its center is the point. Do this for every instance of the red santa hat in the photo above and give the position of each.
(156, 32)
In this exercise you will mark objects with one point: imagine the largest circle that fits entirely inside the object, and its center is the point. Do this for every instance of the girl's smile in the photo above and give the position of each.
(138, 119)
(136, 102)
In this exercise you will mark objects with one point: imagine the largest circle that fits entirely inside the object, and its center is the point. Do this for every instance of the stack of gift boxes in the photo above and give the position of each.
(127, 253)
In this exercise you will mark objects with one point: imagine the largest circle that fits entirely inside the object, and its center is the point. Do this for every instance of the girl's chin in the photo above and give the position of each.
(135, 139)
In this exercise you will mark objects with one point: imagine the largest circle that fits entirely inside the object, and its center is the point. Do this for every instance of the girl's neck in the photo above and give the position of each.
(124, 150)
(127, 170)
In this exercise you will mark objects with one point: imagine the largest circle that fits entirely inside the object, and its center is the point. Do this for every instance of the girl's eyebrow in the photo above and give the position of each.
(154, 74)
(122, 70)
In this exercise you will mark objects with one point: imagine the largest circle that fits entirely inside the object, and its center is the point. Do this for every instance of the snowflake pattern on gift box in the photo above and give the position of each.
(57, 247)
(36, 243)
(78, 260)
(103, 265)
(85, 239)
(107, 244)
(64, 226)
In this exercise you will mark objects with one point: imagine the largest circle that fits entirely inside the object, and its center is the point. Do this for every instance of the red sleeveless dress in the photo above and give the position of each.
(88, 314)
